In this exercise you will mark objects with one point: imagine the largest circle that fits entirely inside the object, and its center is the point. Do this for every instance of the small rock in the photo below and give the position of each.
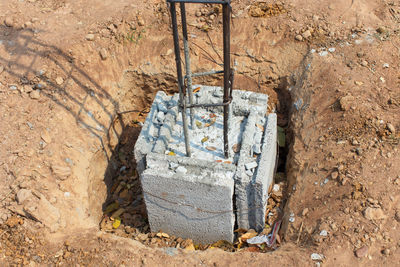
(317, 257)
(27, 88)
(140, 21)
(323, 233)
(1, 69)
(198, 13)
(23, 195)
(276, 188)
(359, 83)
(374, 214)
(385, 65)
(299, 37)
(386, 252)
(251, 165)
(181, 170)
(61, 172)
(306, 34)
(391, 128)
(257, 148)
(397, 216)
(103, 54)
(304, 212)
(361, 252)
(346, 102)
(9, 22)
(334, 175)
(59, 80)
(90, 37)
(364, 63)
(35, 94)
(359, 151)
(46, 136)
(381, 30)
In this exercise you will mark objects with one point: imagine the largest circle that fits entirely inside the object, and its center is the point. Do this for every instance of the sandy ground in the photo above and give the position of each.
(76, 78)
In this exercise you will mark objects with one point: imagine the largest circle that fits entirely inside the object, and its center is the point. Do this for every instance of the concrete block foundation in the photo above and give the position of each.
(204, 196)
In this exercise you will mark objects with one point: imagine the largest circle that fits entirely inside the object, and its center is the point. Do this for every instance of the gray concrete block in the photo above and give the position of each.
(252, 191)
(193, 197)
(195, 204)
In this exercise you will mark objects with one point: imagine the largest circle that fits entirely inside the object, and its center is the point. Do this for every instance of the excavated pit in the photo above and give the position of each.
(123, 211)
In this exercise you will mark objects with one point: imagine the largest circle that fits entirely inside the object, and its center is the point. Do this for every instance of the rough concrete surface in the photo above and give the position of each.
(193, 197)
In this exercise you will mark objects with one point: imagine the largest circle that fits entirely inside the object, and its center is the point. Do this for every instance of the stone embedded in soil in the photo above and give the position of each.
(361, 252)
(103, 54)
(62, 172)
(9, 22)
(23, 195)
(90, 37)
(59, 80)
(346, 102)
(374, 214)
(391, 128)
(35, 94)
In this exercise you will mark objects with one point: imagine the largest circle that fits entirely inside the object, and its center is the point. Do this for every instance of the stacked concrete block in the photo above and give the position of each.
(195, 197)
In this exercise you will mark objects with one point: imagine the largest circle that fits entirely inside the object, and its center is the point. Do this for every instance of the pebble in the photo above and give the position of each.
(251, 165)
(90, 37)
(332, 49)
(181, 170)
(299, 37)
(361, 252)
(103, 54)
(391, 128)
(386, 252)
(276, 188)
(317, 257)
(9, 22)
(364, 63)
(306, 34)
(35, 94)
(257, 148)
(323, 53)
(385, 65)
(374, 214)
(59, 80)
(27, 88)
(1, 69)
(140, 21)
(23, 195)
(323, 233)
(304, 212)
(334, 175)
(397, 216)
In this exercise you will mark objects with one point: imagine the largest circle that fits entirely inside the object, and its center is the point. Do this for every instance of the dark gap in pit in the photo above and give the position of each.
(122, 181)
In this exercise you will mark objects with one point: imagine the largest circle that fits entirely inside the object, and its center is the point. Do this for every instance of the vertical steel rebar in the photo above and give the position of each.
(227, 72)
(180, 81)
(187, 61)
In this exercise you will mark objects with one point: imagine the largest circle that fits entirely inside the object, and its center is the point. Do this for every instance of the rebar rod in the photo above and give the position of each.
(179, 74)
(187, 62)
(227, 72)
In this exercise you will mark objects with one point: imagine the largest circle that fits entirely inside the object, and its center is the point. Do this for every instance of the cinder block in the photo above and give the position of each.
(251, 192)
(196, 204)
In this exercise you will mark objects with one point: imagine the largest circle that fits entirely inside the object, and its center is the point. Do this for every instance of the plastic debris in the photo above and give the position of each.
(116, 223)
(266, 239)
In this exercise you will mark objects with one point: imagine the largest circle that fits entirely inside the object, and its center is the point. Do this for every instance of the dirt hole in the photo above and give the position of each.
(123, 211)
